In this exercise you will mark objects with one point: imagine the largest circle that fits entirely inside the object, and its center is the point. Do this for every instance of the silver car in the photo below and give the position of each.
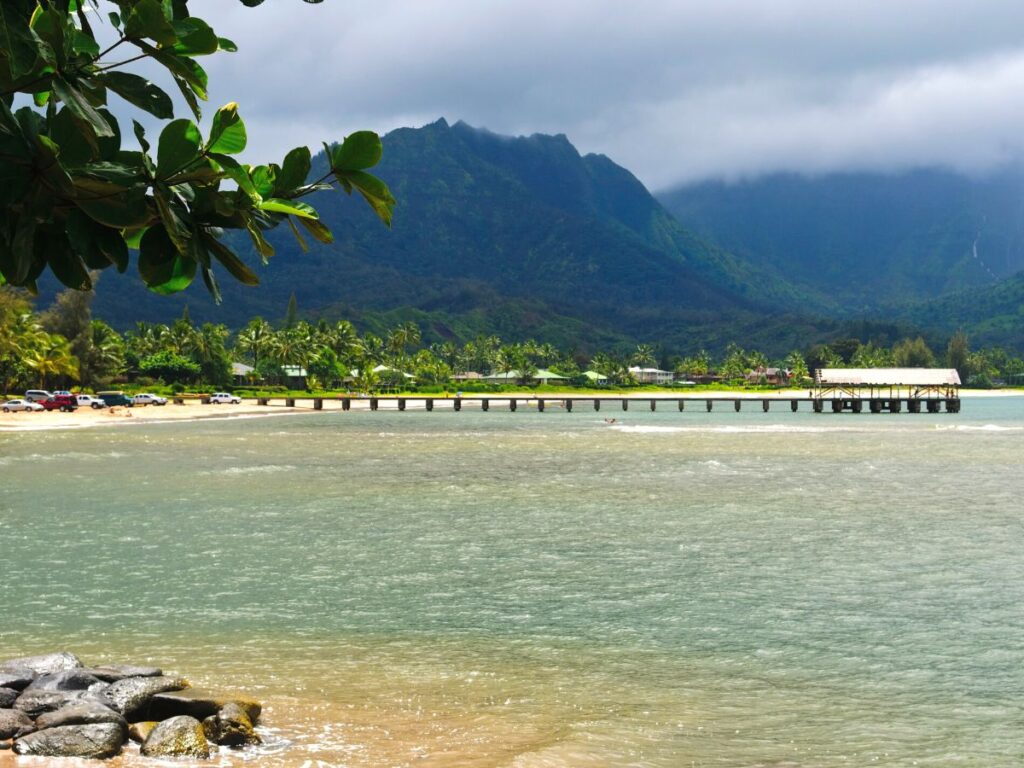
(21, 405)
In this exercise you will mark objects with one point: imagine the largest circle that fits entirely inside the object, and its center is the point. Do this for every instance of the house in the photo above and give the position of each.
(468, 376)
(651, 375)
(542, 376)
(294, 376)
(777, 377)
(243, 374)
(596, 379)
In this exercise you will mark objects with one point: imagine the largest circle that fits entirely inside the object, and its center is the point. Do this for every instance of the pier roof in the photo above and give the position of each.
(883, 377)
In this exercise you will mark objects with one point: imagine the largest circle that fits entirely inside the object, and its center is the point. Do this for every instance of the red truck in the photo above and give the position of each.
(65, 403)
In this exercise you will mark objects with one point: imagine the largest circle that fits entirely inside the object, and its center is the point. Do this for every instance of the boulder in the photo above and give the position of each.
(16, 678)
(35, 703)
(200, 704)
(72, 680)
(97, 741)
(14, 724)
(85, 713)
(131, 695)
(139, 732)
(44, 665)
(231, 727)
(7, 697)
(178, 737)
(111, 673)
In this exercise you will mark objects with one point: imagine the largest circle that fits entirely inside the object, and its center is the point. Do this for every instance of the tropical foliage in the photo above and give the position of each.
(64, 345)
(75, 198)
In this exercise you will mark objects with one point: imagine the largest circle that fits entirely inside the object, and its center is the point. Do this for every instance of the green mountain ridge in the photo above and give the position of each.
(519, 236)
(928, 247)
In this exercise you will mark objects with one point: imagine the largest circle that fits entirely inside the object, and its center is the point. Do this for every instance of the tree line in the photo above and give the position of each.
(64, 345)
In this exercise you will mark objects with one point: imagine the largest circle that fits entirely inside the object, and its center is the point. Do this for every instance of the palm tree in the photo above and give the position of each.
(643, 356)
(52, 357)
(256, 339)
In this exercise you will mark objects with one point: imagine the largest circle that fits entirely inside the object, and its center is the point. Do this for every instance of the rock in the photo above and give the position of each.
(111, 673)
(97, 741)
(85, 713)
(16, 678)
(44, 665)
(200, 704)
(231, 727)
(7, 697)
(14, 724)
(178, 737)
(6, 745)
(35, 703)
(72, 680)
(131, 695)
(139, 732)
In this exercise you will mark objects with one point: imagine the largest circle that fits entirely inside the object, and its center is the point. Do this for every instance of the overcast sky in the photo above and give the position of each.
(675, 90)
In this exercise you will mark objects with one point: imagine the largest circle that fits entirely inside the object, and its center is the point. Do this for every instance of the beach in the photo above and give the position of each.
(193, 410)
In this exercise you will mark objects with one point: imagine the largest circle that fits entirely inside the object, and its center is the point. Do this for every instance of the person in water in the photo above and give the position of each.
(610, 421)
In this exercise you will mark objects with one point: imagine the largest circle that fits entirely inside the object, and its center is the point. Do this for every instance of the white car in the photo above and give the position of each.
(89, 401)
(21, 405)
(145, 398)
(225, 397)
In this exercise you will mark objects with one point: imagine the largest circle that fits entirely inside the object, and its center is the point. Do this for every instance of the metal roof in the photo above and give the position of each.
(883, 377)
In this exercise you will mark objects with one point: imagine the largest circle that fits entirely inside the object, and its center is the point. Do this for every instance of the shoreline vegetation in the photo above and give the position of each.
(193, 410)
(64, 348)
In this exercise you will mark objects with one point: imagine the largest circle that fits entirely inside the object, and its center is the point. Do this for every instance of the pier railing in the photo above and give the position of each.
(844, 403)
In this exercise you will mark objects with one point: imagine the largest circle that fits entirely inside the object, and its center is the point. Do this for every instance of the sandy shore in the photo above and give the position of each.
(193, 410)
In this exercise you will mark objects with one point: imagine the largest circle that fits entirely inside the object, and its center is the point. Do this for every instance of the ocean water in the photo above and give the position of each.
(520, 590)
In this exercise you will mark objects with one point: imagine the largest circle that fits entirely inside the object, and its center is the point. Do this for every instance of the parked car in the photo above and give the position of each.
(145, 398)
(89, 401)
(38, 395)
(110, 399)
(21, 405)
(225, 397)
(62, 392)
(66, 403)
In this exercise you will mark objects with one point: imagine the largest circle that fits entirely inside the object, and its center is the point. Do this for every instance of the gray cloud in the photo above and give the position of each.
(675, 91)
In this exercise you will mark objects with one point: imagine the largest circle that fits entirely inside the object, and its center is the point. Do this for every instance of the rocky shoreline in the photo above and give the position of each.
(56, 706)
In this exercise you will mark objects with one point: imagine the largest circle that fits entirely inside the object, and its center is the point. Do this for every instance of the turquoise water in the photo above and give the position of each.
(546, 589)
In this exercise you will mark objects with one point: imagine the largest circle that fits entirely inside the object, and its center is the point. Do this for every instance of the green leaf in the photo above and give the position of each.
(291, 207)
(181, 67)
(147, 19)
(227, 45)
(211, 285)
(65, 263)
(264, 178)
(111, 204)
(237, 172)
(18, 44)
(318, 230)
(115, 19)
(162, 267)
(227, 136)
(265, 249)
(295, 170)
(83, 43)
(180, 144)
(195, 38)
(177, 229)
(374, 190)
(298, 235)
(140, 135)
(363, 149)
(80, 107)
(230, 260)
(140, 92)
(189, 96)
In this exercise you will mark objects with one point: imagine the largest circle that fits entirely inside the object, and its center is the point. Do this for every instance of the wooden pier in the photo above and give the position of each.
(570, 403)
